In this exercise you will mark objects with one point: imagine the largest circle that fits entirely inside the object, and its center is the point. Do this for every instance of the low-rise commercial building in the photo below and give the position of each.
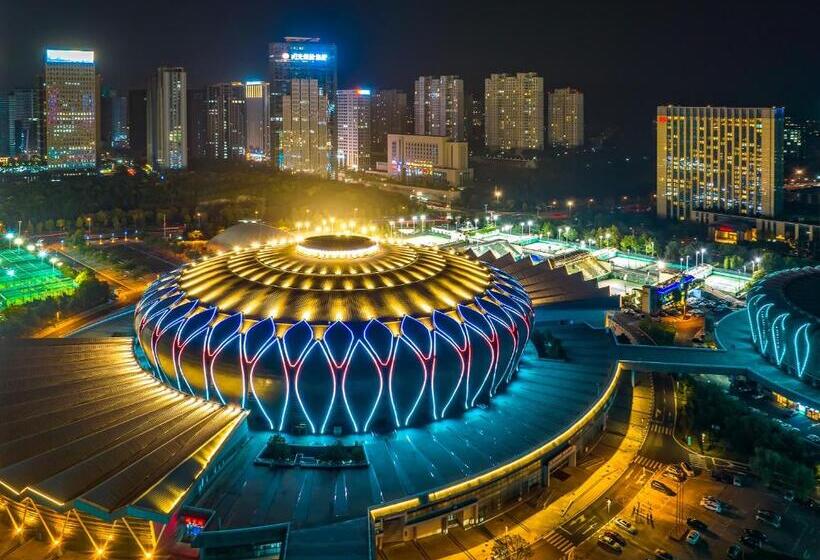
(434, 158)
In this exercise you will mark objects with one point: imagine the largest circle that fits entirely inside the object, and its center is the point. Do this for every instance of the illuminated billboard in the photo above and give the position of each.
(76, 57)
(303, 56)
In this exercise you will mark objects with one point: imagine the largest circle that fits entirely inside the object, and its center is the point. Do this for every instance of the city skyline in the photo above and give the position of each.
(623, 79)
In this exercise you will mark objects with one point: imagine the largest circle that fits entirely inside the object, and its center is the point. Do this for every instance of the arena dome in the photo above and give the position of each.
(783, 310)
(336, 333)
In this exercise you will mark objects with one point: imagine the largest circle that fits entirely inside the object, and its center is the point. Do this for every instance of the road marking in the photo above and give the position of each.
(660, 429)
(559, 542)
(648, 463)
(697, 461)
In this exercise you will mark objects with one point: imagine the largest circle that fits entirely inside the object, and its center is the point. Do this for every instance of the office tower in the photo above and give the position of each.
(113, 120)
(167, 119)
(353, 143)
(721, 159)
(197, 109)
(137, 125)
(389, 114)
(257, 111)
(439, 107)
(566, 118)
(514, 111)
(305, 134)
(474, 120)
(70, 103)
(794, 140)
(20, 123)
(428, 159)
(226, 121)
(301, 58)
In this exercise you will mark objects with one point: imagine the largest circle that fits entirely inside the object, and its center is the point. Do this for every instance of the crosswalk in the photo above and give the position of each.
(661, 429)
(559, 542)
(697, 461)
(648, 463)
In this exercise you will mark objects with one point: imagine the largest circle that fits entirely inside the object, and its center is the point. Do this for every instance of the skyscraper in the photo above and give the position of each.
(439, 107)
(566, 118)
(301, 58)
(305, 135)
(721, 159)
(20, 123)
(353, 144)
(474, 120)
(70, 101)
(257, 110)
(389, 114)
(227, 136)
(167, 119)
(113, 120)
(514, 111)
(137, 126)
(197, 109)
(794, 140)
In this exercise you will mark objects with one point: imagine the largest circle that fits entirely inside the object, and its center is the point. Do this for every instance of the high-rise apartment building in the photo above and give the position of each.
(70, 109)
(439, 107)
(514, 111)
(227, 136)
(137, 125)
(305, 132)
(721, 159)
(20, 123)
(474, 120)
(566, 118)
(197, 124)
(257, 112)
(353, 126)
(113, 120)
(389, 114)
(794, 140)
(301, 58)
(167, 132)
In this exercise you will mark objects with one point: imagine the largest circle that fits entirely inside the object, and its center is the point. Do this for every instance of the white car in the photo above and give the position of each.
(711, 505)
(687, 468)
(625, 525)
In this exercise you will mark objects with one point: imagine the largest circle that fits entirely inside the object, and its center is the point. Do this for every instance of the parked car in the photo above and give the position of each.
(734, 552)
(672, 475)
(615, 536)
(625, 525)
(687, 468)
(814, 438)
(751, 542)
(768, 516)
(697, 524)
(693, 537)
(661, 487)
(662, 554)
(609, 543)
(711, 505)
(755, 534)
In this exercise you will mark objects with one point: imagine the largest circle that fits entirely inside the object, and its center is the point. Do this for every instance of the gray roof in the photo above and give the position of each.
(83, 426)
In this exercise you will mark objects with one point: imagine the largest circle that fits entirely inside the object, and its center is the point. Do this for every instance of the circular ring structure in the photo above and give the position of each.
(367, 336)
(783, 310)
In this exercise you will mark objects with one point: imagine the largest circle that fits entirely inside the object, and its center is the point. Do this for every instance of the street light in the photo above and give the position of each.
(423, 217)
(529, 227)
(18, 241)
(10, 237)
(497, 195)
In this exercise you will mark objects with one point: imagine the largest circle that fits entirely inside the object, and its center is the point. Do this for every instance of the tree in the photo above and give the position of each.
(547, 230)
(571, 234)
(511, 547)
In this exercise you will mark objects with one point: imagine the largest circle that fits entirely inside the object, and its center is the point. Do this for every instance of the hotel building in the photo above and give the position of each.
(436, 158)
(306, 139)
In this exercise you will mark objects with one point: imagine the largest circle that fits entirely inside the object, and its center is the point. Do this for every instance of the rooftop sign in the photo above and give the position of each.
(77, 57)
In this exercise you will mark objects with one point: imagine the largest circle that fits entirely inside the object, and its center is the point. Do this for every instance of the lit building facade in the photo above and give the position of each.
(305, 133)
(794, 140)
(439, 107)
(257, 112)
(301, 58)
(413, 157)
(227, 121)
(70, 109)
(721, 159)
(113, 120)
(20, 123)
(167, 119)
(566, 118)
(389, 114)
(353, 141)
(514, 111)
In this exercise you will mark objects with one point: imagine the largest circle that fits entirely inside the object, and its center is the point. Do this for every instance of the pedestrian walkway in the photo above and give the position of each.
(559, 542)
(650, 464)
(661, 429)
(697, 461)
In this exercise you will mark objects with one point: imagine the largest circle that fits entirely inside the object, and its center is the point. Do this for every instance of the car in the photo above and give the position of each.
(662, 554)
(616, 536)
(625, 525)
(734, 552)
(814, 438)
(661, 487)
(693, 537)
(751, 542)
(722, 476)
(609, 543)
(711, 505)
(755, 534)
(697, 524)
(687, 468)
(672, 475)
(768, 516)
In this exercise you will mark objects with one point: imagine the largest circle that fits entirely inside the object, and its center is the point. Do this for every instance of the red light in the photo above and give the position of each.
(662, 119)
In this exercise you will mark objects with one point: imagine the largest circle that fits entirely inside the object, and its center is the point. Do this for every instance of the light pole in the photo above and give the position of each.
(521, 226)
(423, 217)
(497, 195)
(529, 227)
(10, 237)
(570, 204)
(18, 241)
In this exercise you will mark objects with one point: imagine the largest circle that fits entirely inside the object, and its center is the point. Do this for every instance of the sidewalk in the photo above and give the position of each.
(566, 506)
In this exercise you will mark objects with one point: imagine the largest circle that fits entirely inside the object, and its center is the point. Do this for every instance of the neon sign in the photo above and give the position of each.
(77, 57)
(308, 57)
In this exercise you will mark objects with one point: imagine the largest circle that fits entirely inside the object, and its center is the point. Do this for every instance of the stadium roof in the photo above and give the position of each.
(84, 427)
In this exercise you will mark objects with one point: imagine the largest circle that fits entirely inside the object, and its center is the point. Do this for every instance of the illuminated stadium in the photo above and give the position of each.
(783, 311)
(337, 333)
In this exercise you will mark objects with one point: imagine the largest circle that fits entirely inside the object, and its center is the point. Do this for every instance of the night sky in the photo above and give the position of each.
(627, 56)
